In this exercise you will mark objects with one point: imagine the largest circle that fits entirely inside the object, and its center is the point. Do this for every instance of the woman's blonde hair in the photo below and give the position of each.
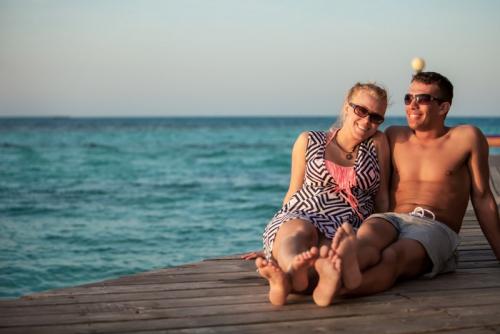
(372, 88)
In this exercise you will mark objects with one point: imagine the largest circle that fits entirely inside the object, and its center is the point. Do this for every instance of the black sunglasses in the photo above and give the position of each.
(424, 99)
(363, 112)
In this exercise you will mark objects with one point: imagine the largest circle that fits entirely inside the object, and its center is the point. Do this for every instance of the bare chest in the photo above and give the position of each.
(432, 163)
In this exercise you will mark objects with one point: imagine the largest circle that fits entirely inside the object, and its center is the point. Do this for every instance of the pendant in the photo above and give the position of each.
(348, 156)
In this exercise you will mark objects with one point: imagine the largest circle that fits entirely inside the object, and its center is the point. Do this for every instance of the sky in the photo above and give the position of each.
(239, 57)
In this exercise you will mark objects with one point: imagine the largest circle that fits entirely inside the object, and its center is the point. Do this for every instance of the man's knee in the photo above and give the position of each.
(377, 233)
(368, 254)
(393, 262)
(390, 259)
(408, 257)
(373, 236)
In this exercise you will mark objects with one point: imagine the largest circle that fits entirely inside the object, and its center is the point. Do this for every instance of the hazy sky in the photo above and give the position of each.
(238, 57)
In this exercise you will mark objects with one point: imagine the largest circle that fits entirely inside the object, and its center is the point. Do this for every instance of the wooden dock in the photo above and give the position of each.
(226, 295)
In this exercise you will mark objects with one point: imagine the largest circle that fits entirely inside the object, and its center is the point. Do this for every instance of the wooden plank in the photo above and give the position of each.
(113, 306)
(147, 296)
(175, 282)
(107, 296)
(172, 286)
(400, 320)
(486, 294)
(469, 297)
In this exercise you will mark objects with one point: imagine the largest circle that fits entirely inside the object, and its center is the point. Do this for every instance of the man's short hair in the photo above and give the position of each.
(444, 85)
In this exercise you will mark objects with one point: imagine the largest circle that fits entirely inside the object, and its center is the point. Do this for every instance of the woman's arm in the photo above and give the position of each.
(298, 167)
(296, 179)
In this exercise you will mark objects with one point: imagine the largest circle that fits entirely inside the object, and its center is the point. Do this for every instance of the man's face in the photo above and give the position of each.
(422, 115)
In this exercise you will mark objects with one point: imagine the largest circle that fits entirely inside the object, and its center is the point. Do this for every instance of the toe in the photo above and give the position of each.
(323, 251)
(314, 250)
(348, 228)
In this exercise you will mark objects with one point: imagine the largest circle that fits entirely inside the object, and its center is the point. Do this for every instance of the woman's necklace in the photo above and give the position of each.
(348, 155)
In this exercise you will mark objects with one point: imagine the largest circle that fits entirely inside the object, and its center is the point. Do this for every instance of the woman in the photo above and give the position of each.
(336, 176)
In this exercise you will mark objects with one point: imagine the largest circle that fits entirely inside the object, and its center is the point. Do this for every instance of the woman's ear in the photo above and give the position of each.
(345, 106)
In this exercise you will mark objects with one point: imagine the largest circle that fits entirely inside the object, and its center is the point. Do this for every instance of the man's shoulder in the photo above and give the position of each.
(379, 135)
(397, 130)
(466, 129)
(469, 136)
(379, 139)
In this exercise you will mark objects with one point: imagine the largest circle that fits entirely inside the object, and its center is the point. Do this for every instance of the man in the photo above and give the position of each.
(435, 170)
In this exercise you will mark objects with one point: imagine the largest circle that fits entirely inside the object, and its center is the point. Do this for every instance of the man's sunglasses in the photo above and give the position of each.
(424, 99)
(363, 112)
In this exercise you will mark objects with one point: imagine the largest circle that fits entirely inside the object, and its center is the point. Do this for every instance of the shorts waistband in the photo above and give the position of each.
(422, 213)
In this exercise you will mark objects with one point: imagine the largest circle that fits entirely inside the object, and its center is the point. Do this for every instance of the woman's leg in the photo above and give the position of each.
(294, 250)
(293, 238)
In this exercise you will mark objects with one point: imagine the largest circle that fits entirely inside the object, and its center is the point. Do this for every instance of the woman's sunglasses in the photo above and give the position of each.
(424, 99)
(363, 112)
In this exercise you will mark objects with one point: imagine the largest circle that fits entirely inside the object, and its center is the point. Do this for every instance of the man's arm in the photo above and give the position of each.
(482, 198)
(394, 134)
(383, 153)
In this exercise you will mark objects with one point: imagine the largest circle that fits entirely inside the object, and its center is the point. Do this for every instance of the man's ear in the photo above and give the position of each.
(444, 108)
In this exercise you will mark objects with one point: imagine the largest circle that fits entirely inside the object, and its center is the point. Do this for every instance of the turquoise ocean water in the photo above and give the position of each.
(85, 199)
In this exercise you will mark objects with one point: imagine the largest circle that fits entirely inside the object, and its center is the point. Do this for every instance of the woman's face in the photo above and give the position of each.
(360, 103)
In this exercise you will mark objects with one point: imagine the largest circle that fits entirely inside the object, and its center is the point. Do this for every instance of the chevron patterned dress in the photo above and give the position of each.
(321, 201)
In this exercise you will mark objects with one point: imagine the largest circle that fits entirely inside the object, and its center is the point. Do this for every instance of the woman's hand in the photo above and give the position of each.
(252, 255)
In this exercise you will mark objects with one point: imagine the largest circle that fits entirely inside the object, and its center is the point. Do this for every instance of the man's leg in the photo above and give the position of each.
(373, 237)
(406, 258)
(363, 250)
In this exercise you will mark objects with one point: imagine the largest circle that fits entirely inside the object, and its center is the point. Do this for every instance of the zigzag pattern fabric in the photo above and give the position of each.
(319, 201)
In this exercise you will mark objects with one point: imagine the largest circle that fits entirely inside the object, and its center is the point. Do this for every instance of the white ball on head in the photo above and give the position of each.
(417, 64)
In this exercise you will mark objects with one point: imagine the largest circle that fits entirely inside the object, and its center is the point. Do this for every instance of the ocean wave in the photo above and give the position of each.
(103, 147)
(178, 185)
(21, 147)
(230, 146)
(9, 211)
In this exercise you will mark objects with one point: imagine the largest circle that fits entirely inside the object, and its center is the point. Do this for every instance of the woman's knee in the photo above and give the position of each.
(298, 228)
(294, 237)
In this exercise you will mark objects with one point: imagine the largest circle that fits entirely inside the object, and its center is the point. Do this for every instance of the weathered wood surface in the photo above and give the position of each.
(226, 296)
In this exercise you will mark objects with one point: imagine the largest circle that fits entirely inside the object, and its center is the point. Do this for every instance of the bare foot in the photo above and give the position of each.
(328, 266)
(299, 268)
(340, 234)
(344, 245)
(279, 282)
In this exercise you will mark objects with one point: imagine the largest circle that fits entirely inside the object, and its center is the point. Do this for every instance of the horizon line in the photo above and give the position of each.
(207, 116)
